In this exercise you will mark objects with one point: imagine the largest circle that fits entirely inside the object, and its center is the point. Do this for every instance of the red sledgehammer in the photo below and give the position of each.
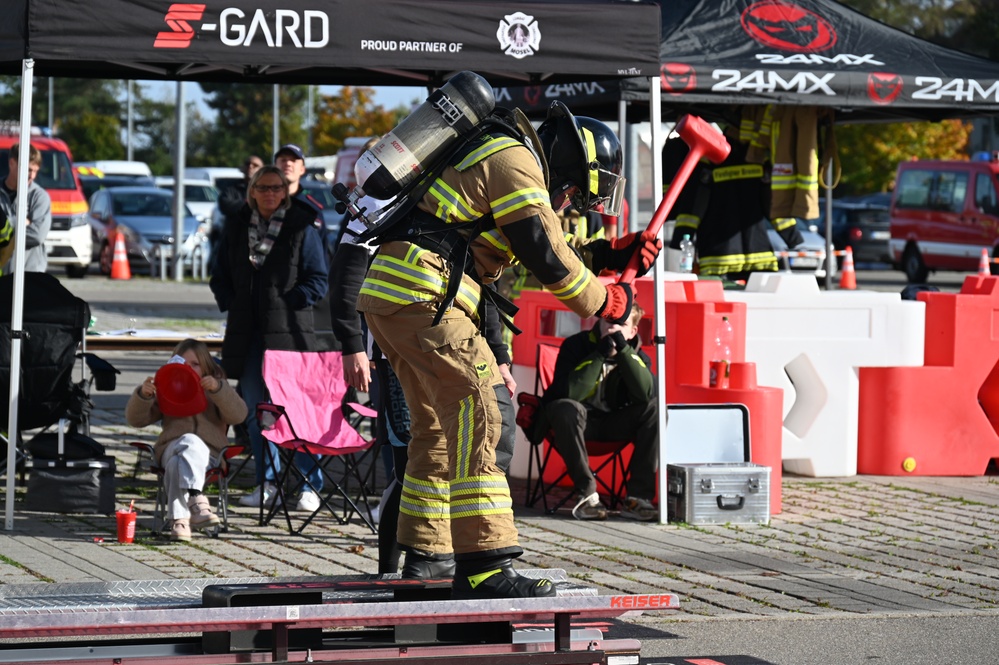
(704, 141)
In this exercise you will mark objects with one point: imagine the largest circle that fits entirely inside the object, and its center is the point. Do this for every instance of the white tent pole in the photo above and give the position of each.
(17, 308)
(275, 128)
(830, 258)
(51, 106)
(129, 113)
(656, 120)
(180, 157)
(630, 168)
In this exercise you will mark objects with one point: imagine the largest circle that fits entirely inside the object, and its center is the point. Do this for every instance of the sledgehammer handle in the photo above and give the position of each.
(704, 141)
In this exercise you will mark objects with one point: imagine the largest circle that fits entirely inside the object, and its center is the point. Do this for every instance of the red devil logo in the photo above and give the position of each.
(532, 94)
(787, 27)
(883, 88)
(677, 78)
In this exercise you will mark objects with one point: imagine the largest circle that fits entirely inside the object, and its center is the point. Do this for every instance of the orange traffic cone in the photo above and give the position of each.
(983, 264)
(847, 277)
(119, 265)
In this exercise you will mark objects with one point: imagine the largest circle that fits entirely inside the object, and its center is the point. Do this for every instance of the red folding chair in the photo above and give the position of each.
(611, 471)
(306, 414)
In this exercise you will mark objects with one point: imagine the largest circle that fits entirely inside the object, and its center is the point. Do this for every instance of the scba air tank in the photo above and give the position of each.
(405, 152)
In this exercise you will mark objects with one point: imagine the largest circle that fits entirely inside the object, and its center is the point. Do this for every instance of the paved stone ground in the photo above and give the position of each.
(841, 548)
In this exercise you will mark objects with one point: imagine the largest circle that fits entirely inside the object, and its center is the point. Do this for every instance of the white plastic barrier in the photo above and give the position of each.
(810, 343)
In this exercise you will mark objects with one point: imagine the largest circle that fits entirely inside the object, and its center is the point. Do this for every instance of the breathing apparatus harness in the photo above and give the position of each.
(451, 240)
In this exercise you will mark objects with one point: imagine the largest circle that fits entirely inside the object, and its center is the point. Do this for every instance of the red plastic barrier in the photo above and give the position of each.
(941, 419)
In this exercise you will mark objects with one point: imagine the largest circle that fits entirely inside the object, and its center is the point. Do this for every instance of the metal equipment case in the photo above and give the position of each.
(718, 493)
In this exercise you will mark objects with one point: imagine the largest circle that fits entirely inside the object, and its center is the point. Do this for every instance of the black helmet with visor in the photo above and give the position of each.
(584, 162)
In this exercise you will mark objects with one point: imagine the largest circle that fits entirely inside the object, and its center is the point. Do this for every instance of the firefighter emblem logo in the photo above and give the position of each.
(883, 88)
(519, 35)
(785, 26)
(677, 78)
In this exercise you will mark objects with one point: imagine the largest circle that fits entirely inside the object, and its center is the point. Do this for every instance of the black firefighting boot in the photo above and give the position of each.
(426, 566)
(494, 577)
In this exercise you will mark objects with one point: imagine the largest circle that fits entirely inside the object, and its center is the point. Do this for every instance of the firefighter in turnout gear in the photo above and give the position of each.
(492, 204)
(726, 209)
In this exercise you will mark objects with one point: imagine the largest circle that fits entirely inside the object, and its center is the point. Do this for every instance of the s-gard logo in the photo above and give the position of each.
(299, 29)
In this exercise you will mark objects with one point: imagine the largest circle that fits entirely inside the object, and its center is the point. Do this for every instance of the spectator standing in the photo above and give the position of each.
(39, 211)
(270, 273)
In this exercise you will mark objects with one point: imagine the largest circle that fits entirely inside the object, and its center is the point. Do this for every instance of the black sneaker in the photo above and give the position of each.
(498, 580)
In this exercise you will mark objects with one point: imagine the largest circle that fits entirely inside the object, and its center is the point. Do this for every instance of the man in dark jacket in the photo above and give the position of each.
(603, 390)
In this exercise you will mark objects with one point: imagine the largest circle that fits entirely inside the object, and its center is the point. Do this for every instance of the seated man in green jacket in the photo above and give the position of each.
(603, 390)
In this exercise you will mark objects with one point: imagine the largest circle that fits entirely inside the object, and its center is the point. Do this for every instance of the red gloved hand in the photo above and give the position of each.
(617, 306)
(646, 243)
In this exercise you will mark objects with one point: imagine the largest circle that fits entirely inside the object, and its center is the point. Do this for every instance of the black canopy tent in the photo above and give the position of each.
(339, 42)
(716, 54)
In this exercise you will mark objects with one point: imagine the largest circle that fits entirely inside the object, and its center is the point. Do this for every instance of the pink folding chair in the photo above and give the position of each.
(306, 414)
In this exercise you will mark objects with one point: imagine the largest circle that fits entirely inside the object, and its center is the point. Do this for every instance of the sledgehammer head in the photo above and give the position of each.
(703, 138)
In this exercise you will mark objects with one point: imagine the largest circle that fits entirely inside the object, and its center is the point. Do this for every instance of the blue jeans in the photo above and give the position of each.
(251, 385)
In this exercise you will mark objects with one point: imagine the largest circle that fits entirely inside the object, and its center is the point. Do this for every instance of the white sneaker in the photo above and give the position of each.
(308, 502)
(252, 500)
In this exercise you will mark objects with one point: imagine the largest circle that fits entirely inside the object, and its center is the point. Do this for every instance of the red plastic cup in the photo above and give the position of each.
(126, 526)
(718, 376)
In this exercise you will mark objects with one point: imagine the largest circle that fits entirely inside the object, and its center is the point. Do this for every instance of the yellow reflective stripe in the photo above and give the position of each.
(575, 287)
(450, 204)
(590, 144)
(781, 223)
(392, 293)
(490, 147)
(693, 221)
(468, 297)
(466, 434)
(425, 487)
(481, 506)
(715, 265)
(408, 271)
(517, 200)
(479, 485)
(440, 510)
(739, 172)
(495, 238)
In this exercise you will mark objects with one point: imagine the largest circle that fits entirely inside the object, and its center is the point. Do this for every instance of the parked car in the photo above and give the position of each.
(92, 180)
(144, 215)
(861, 223)
(199, 195)
(813, 245)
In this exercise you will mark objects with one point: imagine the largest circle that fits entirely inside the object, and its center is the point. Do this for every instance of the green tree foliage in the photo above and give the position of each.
(351, 112)
(244, 124)
(869, 154)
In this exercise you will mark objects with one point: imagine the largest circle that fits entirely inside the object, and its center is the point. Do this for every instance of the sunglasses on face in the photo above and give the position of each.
(269, 188)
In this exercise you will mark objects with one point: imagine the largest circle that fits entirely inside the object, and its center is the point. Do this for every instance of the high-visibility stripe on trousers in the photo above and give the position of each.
(454, 497)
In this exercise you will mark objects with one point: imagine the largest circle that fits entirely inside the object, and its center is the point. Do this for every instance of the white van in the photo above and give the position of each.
(214, 173)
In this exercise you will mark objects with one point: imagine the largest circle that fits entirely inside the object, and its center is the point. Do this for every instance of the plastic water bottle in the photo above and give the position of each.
(721, 358)
(686, 254)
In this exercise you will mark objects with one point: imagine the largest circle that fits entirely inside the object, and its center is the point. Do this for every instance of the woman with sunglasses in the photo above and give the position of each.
(270, 270)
